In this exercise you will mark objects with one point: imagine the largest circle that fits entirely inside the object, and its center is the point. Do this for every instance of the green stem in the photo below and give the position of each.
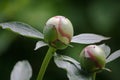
(45, 62)
(94, 76)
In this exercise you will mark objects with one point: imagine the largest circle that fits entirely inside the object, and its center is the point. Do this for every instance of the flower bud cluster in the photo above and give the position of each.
(58, 32)
(92, 58)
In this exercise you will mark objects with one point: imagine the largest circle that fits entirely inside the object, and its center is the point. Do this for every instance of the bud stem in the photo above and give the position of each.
(94, 76)
(45, 62)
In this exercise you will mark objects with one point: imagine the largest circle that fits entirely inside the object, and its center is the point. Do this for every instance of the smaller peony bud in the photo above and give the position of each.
(58, 32)
(92, 58)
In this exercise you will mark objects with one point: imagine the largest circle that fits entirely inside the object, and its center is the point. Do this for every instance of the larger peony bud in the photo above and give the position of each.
(92, 58)
(58, 32)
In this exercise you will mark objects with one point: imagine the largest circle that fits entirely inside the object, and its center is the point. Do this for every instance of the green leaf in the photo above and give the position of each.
(21, 71)
(72, 67)
(40, 44)
(106, 48)
(88, 38)
(22, 29)
(113, 56)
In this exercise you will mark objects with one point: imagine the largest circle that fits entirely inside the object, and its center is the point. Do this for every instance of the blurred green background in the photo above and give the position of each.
(88, 16)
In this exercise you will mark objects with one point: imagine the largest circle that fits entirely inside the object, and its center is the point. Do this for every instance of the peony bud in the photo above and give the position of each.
(92, 58)
(58, 32)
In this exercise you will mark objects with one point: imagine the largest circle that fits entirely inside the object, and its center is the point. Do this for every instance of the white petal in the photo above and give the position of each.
(22, 29)
(88, 38)
(40, 44)
(113, 56)
(21, 71)
(106, 48)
